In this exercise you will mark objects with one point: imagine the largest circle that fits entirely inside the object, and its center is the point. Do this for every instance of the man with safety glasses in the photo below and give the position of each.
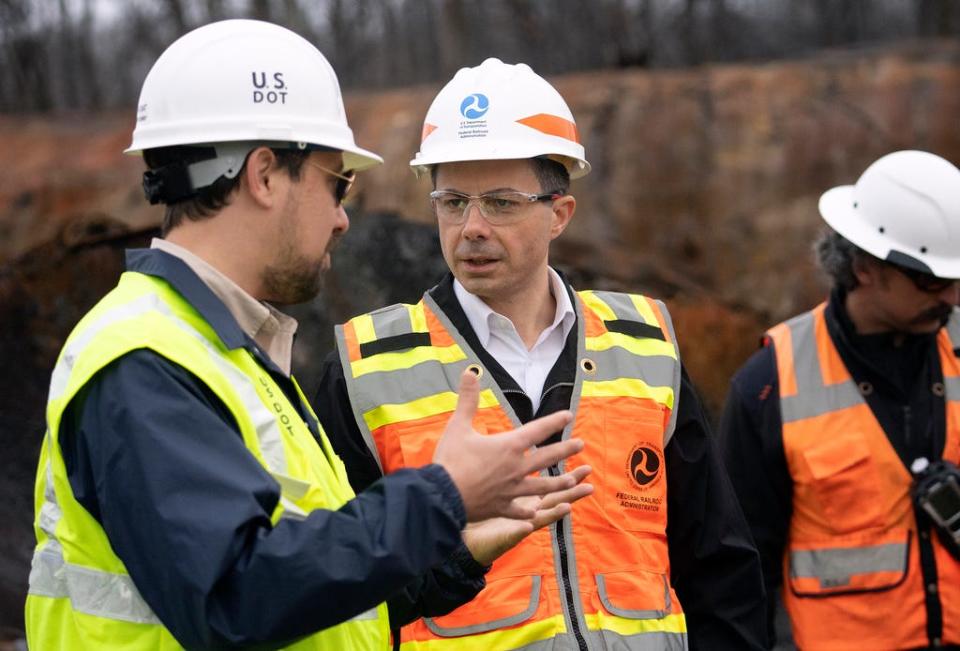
(842, 434)
(186, 494)
(659, 555)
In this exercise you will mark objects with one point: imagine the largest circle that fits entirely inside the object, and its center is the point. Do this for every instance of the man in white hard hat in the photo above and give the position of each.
(659, 555)
(842, 433)
(186, 494)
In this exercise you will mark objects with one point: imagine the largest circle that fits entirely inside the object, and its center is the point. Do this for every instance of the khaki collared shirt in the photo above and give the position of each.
(270, 328)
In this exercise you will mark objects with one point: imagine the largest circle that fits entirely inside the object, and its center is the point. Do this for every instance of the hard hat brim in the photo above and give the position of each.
(838, 208)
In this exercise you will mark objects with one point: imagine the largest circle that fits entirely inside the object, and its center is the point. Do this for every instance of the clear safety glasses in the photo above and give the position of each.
(498, 208)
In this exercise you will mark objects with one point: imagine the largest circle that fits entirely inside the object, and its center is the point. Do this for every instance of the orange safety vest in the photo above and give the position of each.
(852, 573)
(602, 574)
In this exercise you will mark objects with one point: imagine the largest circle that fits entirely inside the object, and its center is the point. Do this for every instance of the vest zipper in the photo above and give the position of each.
(564, 577)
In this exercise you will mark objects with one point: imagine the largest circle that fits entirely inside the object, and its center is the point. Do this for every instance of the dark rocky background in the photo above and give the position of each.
(703, 192)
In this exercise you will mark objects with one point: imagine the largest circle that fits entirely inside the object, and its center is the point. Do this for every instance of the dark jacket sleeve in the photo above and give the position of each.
(751, 440)
(714, 564)
(445, 587)
(159, 461)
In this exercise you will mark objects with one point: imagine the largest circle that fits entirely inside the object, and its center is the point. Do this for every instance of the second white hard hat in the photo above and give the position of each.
(245, 81)
(499, 111)
(904, 209)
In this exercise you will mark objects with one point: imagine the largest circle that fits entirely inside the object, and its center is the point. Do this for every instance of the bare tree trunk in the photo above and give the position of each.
(214, 10)
(691, 33)
(64, 75)
(86, 57)
(260, 10)
(453, 36)
(175, 10)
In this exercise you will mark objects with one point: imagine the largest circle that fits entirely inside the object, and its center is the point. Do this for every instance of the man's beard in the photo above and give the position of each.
(940, 312)
(293, 280)
(293, 277)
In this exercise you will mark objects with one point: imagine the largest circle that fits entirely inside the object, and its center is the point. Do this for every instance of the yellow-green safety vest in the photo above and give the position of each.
(80, 594)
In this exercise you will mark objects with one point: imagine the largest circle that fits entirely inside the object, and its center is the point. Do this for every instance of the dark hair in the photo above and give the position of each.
(551, 175)
(210, 200)
(838, 257)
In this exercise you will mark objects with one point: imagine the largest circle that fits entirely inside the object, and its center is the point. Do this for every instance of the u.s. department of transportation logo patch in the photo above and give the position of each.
(645, 465)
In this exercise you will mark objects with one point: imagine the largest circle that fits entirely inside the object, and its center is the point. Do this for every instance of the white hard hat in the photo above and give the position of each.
(499, 111)
(904, 209)
(244, 81)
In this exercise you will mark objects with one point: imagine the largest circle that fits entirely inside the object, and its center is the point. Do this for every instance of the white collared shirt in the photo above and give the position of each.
(500, 338)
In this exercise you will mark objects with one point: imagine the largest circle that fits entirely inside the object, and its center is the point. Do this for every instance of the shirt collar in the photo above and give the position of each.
(170, 268)
(480, 315)
(260, 321)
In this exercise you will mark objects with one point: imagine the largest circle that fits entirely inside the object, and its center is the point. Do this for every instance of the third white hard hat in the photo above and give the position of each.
(904, 209)
(499, 111)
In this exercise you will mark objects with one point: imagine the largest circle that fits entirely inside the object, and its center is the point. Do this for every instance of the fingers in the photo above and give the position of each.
(551, 515)
(518, 510)
(537, 485)
(568, 496)
(537, 430)
(550, 455)
(468, 396)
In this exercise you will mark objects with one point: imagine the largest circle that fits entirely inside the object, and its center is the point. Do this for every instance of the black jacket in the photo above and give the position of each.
(158, 460)
(714, 564)
(908, 410)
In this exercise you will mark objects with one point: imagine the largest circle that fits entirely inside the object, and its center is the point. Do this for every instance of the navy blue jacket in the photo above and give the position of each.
(157, 458)
(714, 564)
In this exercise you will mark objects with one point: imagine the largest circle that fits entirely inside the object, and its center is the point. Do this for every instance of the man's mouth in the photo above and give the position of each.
(478, 262)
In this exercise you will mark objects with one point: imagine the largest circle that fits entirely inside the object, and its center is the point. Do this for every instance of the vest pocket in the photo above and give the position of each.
(504, 602)
(633, 484)
(637, 594)
(845, 482)
(860, 565)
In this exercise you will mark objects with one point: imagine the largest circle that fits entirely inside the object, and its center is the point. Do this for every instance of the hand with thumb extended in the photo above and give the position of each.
(492, 471)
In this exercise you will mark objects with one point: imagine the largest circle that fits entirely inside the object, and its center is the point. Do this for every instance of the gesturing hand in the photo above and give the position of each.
(490, 539)
(492, 471)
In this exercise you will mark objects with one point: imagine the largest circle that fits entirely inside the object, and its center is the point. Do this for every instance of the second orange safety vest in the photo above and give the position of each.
(852, 571)
(603, 574)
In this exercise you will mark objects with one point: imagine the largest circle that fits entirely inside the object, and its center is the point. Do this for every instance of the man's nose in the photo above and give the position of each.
(475, 224)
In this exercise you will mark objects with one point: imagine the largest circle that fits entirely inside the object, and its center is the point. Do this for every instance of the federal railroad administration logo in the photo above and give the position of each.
(474, 107)
(645, 465)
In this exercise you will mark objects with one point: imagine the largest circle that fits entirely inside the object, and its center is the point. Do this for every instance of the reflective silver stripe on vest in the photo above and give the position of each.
(675, 383)
(952, 388)
(268, 432)
(365, 616)
(834, 567)
(628, 613)
(391, 321)
(61, 373)
(50, 512)
(952, 384)
(953, 327)
(105, 594)
(573, 611)
(93, 592)
(485, 627)
(813, 397)
(652, 641)
(431, 377)
(622, 306)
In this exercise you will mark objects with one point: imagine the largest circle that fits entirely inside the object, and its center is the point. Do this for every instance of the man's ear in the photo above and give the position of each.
(261, 176)
(866, 271)
(563, 210)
